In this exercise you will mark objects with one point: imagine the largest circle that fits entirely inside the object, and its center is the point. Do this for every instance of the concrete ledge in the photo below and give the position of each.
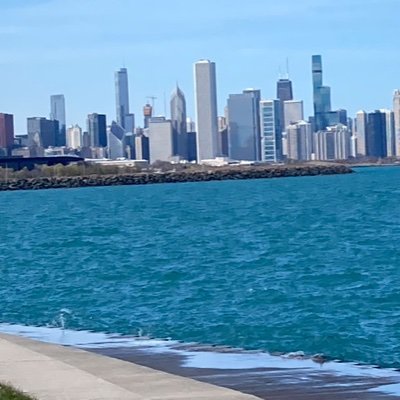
(51, 372)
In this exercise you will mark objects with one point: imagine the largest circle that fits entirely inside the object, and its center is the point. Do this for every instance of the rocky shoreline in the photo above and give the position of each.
(144, 178)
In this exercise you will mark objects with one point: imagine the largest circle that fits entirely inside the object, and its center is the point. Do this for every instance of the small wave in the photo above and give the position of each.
(201, 356)
(82, 339)
(392, 390)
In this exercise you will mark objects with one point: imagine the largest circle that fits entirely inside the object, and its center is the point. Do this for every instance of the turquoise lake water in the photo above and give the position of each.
(310, 264)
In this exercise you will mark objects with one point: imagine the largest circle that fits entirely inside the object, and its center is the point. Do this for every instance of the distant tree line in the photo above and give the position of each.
(90, 169)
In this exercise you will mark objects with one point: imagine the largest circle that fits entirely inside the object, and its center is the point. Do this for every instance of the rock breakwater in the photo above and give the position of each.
(144, 178)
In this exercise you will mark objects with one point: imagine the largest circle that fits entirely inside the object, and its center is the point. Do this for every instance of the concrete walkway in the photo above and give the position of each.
(51, 372)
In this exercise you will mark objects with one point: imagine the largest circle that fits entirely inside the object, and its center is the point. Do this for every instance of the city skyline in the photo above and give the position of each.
(85, 55)
(252, 129)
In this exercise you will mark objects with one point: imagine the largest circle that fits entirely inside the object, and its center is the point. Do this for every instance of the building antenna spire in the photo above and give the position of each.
(165, 105)
(287, 68)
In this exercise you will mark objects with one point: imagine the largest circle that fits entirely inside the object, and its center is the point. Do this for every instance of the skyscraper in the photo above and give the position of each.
(57, 113)
(361, 133)
(284, 89)
(6, 133)
(321, 94)
(244, 125)
(97, 129)
(178, 119)
(42, 132)
(160, 139)
(390, 133)
(142, 148)
(333, 118)
(396, 110)
(271, 132)
(376, 144)
(124, 118)
(206, 110)
(115, 141)
(293, 112)
(74, 137)
(284, 92)
(299, 138)
(332, 143)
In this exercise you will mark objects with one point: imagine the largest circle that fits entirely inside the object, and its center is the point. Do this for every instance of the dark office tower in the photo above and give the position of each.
(6, 133)
(192, 146)
(97, 129)
(244, 125)
(224, 138)
(321, 94)
(147, 115)
(57, 113)
(376, 145)
(42, 132)
(284, 92)
(333, 118)
(129, 143)
(178, 119)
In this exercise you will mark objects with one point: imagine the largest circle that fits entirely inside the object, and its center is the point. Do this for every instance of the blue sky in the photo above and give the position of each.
(74, 46)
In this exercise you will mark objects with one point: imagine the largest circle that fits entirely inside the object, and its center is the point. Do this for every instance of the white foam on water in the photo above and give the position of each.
(202, 359)
(392, 390)
(87, 339)
(264, 360)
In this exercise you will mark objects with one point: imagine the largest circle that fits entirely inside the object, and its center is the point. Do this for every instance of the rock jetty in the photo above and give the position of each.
(144, 178)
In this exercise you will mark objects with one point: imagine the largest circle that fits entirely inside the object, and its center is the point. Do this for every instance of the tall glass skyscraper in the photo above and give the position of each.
(322, 95)
(206, 110)
(376, 142)
(97, 129)
(57, 113)
(244, 125)
(124, 118)
(178, 118)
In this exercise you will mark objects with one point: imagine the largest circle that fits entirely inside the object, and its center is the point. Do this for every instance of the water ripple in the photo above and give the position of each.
(280, 265)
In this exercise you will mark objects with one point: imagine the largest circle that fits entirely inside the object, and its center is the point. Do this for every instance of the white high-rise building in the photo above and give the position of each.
(361, 133)
(206, 110)
(334, 143)
(161, 143)
(299, 141)
(74, 137)
(390, 133)
(293, 110)
(271, 132)
(396, 111)
(342, 141)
